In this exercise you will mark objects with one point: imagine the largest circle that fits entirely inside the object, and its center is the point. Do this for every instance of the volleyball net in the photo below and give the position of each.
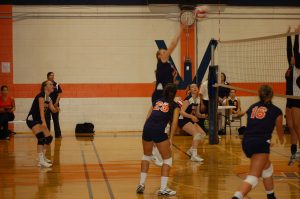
(249, 63)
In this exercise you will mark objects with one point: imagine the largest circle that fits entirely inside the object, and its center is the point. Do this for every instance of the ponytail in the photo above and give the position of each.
(265, 93)
(170, 91)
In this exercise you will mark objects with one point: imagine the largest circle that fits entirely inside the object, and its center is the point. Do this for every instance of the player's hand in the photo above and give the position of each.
(194, 119)
(57, 109)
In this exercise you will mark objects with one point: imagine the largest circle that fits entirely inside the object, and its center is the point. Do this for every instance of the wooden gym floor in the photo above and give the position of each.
(108, 167)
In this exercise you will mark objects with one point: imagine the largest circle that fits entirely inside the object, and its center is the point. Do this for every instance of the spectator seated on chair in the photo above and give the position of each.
(233, 100)
(7, 108)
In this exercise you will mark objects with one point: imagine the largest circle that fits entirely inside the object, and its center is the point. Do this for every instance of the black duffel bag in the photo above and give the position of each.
(85, 128)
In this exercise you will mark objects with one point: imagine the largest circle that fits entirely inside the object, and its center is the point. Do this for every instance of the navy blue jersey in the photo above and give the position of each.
(261, 120)
(233, 102)
(164, 73)
(34, 113)
(161, 115)
(57, 89)
(224, 92)
(192, 107)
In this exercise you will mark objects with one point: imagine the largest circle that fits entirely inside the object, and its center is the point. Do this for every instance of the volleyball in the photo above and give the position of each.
(201, 12)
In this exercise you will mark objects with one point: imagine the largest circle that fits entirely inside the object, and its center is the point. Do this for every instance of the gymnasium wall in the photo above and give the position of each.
(106, 66)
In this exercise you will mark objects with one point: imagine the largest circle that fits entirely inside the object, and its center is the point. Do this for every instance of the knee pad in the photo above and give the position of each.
(146, 158)
(252, 180)
(41, 138)
(48, 139)
(198, 137)
(168, 161)
(267, 172)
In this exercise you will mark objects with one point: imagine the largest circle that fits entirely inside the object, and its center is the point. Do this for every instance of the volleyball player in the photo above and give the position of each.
(189, 122)
(162, 112)
(165, 73)
(37, 123)
(263, 116)
(55, 97)
(292, 77)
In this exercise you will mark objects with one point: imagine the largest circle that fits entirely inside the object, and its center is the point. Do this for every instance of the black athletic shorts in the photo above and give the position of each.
(184, 121)
(290, 103)
(156, 136)
(32, 123)
(257, 145)
(156, 95)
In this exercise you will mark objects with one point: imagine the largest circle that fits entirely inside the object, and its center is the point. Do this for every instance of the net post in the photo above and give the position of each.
(213, 98)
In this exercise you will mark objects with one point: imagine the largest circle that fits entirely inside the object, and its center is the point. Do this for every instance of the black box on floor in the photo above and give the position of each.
(84, 130)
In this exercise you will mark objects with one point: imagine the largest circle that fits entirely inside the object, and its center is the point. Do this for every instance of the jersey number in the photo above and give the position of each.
(259, 112)
(161, 106)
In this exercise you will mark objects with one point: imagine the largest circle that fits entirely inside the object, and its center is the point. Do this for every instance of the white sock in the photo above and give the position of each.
(238, 194)
(41, 156)
(143, 178)
(163, 182)
(270, 192)
(194, 152)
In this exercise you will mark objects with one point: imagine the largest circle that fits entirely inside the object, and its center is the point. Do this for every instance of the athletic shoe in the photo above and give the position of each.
(292, 160)
(47, 160)
(7, 138)
(156, 161)
(189, 152)
(166, 192)
(140, 189)
(197, 158)
(234, 197)
(44, 164)
(298, 154)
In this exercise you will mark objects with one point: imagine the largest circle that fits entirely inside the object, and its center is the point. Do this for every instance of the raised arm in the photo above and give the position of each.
(296, 49)
(289, 47)
(173, 43)
(279, 129)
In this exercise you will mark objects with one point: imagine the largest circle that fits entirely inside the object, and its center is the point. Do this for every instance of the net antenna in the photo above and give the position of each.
(250, 63)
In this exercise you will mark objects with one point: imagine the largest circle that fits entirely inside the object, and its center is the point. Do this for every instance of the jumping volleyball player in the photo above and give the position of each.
(263, 116)
(37, 123)
(189, 122)
(165, 73)
(292, 77)
(162, 112)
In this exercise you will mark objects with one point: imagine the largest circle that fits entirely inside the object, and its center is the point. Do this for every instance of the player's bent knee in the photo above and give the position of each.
(48, 140)
(168, 161)
(146, 158)
(40, 138)
(267, 172)
(252, 180)
(198, 137)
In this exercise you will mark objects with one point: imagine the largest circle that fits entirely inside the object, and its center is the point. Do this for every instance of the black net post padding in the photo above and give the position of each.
(213, 104)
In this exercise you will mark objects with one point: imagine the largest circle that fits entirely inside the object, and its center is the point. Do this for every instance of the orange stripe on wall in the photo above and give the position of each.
(90, 90)
(122, 90)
